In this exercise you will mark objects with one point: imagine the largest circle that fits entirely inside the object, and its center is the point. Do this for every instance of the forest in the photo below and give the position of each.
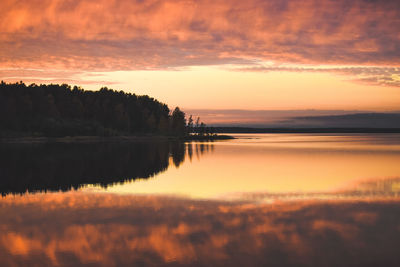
(61, 110)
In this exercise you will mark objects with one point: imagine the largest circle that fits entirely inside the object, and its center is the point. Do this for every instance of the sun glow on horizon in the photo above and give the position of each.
(215, 87)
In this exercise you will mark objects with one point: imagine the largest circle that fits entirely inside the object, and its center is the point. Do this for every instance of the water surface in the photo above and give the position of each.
(278, 164)
(259, 200)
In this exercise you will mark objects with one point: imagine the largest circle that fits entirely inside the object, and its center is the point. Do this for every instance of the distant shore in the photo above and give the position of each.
(97, 139)
(230, 130)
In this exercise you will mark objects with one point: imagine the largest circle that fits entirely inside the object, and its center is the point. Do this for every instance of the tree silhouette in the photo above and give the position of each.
(178, 122)
(59, 110)
(190, 124)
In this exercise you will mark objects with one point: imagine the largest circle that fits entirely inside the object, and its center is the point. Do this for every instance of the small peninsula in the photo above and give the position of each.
(64, 113)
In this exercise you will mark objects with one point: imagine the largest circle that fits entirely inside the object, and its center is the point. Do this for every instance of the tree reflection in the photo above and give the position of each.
(57, 166)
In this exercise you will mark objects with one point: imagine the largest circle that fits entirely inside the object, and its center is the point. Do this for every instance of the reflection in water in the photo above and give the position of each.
(76, 228)
(277, 164)
(343, 205)
(370, 189)
(280, 164)
(331, 141)
(382, 186)
(57, 166)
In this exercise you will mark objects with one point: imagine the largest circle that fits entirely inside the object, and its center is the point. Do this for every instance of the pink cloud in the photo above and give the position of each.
(40, 76)
(154, 34)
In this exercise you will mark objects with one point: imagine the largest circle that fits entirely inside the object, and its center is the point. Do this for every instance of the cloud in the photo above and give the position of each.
(384, 76)
(42, 76)
(154, 34)
(361, 120)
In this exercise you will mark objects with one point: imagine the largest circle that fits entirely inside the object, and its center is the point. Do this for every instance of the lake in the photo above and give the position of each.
(257, 200)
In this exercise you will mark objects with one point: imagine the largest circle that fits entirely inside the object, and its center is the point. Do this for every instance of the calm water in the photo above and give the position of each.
(261, 199)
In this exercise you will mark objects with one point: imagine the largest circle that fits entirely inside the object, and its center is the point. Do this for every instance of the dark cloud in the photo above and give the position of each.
(361, 120)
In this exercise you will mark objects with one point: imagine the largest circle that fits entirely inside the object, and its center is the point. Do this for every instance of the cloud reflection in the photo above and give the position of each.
(364, 189)
(112, 230)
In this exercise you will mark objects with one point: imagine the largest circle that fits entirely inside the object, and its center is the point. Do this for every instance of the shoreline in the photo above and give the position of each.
(109, 139)
(239, 130)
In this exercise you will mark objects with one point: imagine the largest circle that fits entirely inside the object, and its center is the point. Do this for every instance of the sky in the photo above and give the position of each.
(254, 55)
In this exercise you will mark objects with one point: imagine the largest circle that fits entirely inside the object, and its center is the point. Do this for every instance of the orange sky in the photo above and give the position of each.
(220, 54)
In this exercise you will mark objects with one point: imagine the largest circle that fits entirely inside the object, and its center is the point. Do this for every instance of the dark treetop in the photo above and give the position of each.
(59, 110)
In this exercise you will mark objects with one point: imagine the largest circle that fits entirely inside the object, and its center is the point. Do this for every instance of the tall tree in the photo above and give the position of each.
(178, 122)
(190, 124)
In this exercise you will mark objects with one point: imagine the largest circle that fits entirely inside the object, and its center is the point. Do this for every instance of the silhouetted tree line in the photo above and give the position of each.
(59, 110)
(199, 128)
(61, 166)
